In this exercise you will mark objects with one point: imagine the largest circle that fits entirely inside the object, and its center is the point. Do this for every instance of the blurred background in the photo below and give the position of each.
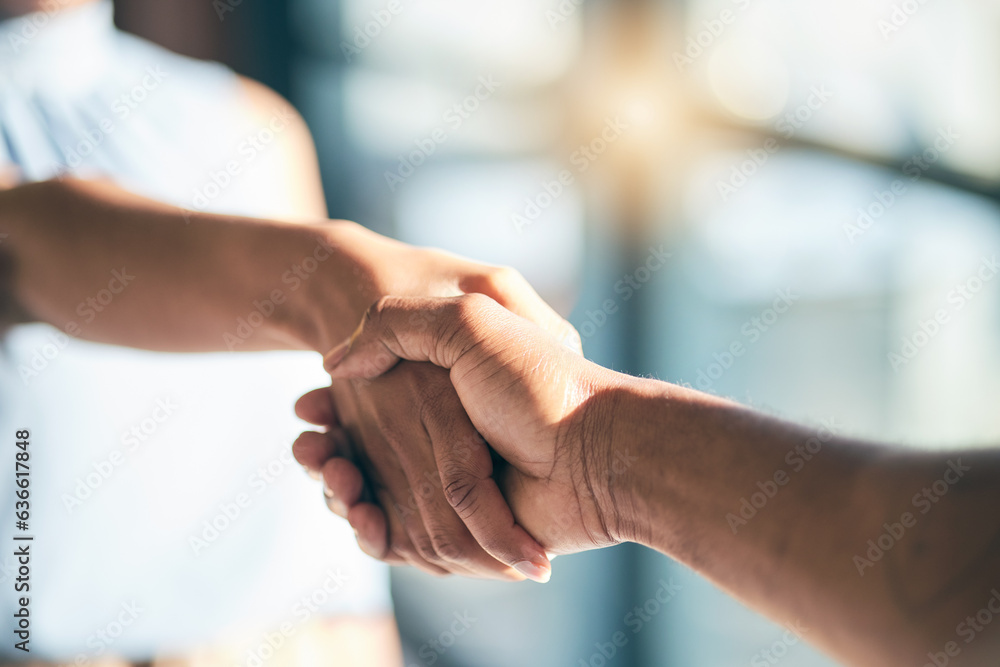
(816, 181)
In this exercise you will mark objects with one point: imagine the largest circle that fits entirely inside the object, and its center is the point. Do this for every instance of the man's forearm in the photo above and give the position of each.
(878, 554)
(109, 266)
(781, 516)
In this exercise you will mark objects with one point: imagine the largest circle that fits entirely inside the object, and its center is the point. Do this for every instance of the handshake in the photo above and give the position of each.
(465, 437)
(465, 433)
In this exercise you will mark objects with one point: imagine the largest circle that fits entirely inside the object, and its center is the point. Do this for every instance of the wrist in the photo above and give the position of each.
(364, 266)
(607, 442)
(614, 436)
(335, 273)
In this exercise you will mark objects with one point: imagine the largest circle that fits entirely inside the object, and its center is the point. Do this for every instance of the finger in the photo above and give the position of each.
(512, 291)
(316, 407)
(312, 449)
(466, 469)
(451, 537)
(370, 528)
(402, 527)
(439, 330)
(450, 546)
(409, 507)
(343, 485)
(406, 536)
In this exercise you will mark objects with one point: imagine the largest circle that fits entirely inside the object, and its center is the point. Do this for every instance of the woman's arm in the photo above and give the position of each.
(106, 265)
(109, 266)
(879, 555)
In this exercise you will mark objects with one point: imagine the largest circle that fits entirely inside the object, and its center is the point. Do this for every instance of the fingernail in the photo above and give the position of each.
(336, 355)
(534, 572)
(326, 490)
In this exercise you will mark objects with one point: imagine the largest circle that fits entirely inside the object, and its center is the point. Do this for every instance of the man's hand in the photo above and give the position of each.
(400, 419)
(524, 392)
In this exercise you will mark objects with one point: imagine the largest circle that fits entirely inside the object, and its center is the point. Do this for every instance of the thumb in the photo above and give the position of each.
(512, 291)
(438, 330)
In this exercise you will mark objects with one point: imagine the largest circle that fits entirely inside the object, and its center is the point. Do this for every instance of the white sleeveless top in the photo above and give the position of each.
(135, 455)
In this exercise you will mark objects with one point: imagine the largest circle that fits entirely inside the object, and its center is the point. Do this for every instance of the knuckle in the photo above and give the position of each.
(460, 491)
(401, 545)
(505, 277)
(424, 547)
(448, 547)
(375, 316)
(470, 306)
(374, 313)
(406, 552)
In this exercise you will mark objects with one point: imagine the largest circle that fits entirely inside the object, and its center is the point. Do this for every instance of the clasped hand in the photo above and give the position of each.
(477, 454)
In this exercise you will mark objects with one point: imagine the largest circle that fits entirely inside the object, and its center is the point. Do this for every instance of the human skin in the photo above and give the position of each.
(288, 176)
(561, 424)
(198, 278)
(362, 266)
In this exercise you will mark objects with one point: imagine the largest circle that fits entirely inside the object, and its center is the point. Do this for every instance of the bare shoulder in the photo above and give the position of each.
(292, 162)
